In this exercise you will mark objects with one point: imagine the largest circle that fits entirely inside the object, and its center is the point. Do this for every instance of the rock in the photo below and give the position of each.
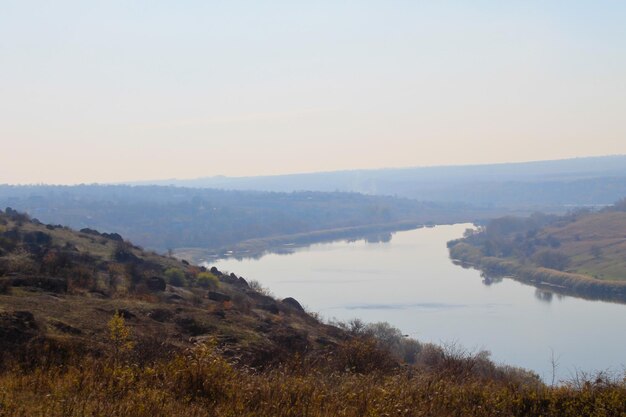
(98, 294)
(260, 298)
(219, 313)
(324, 341)
(233, 279)
(155, 284)
(37, 238)
(174, 297)
(55, 285)
(127, 314)
(293, 303)
(215, 271)
(114, 236)
(218, 296)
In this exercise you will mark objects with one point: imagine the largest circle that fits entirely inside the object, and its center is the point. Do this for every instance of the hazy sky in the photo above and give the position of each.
(127, 90)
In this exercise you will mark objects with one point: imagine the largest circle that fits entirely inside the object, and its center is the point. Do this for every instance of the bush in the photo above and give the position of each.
(207, 280)
(175, 277)
(391, 339)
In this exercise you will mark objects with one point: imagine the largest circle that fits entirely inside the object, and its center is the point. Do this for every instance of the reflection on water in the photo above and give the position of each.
(410, 282)
(490, 279)
(545, 296)
(256, 250)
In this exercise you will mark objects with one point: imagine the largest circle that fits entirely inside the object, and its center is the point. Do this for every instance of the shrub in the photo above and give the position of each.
(207, 280)
(258, 287)
(175, 277)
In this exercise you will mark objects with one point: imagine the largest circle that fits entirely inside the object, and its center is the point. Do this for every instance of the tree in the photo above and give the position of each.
(552, 259)
(119, 336)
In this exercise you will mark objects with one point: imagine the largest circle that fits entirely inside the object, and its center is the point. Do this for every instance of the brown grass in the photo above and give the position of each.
(201, 382)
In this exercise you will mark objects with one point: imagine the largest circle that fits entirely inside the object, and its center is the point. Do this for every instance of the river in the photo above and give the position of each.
(410, 282)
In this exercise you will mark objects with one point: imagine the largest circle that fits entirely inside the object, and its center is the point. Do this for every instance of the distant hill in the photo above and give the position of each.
(557, 183)
(582, 253)
(165, 217)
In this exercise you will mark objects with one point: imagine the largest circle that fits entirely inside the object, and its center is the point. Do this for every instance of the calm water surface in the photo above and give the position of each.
(411, 283)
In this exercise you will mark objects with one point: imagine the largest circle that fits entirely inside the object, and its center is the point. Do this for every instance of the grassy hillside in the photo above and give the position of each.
(583, 253)
(595, 244)
(93, 325)
(69, 284)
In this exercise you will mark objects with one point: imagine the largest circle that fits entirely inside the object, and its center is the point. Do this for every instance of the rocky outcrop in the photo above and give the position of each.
(55, 285)
(293, 303)
(218, 296)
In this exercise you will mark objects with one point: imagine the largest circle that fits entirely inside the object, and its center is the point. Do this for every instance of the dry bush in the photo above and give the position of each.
(201, 382)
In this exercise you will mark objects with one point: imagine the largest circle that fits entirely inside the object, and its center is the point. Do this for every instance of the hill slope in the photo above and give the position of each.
(583, 253)
(65, 286)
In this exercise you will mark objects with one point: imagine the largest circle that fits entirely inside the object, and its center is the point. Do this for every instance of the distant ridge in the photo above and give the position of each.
(575, 181)
(591, 166)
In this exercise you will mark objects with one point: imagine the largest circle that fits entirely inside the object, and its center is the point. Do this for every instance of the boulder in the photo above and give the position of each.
(233, 279)
(174, 298)
(293, 303)
(218, 296)
(127, 314)
(113, 236)
(55, 285)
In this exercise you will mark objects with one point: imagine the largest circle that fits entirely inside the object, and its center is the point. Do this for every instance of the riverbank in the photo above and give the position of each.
(566, 283)
(256, 248)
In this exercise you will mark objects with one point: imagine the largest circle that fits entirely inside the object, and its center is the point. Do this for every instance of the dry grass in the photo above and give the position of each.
(605, 231)
(201, 382)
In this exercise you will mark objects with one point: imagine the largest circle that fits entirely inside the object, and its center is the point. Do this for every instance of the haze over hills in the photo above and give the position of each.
(538, 184)
(259, 211)
(161, 218)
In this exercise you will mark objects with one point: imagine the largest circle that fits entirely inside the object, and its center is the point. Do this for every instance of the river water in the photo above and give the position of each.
(411, 283)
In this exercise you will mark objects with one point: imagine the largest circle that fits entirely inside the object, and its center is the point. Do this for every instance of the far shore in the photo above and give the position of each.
(566, 283)
(285, 244)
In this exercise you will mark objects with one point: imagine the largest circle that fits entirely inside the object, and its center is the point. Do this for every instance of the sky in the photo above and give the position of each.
(109, 91)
